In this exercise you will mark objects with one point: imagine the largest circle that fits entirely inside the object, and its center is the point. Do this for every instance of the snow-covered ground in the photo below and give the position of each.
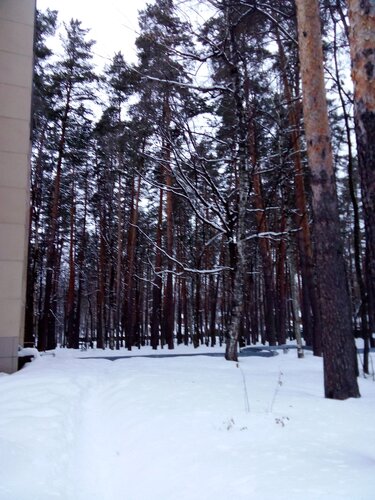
(182, 428)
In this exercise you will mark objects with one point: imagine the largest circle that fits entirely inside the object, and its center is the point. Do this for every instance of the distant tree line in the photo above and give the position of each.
(175, 200)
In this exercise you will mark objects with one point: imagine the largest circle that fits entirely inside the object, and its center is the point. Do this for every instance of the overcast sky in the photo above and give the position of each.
(113, 23)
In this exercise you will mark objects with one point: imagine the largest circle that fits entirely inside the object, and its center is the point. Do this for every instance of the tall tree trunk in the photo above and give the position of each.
(185, 309)
(265, 252)
(168, 312)
(339, 354)
(281, 284)
(130, 302)
(362, 48)
(46, 337)
(237, 240)
(157, 283)
(34, 252)
(100, 301)
(295, 301)
(80, 266)
(213, 306)
(355, 206)
(310, 307)
(70, 298)
(119, 261)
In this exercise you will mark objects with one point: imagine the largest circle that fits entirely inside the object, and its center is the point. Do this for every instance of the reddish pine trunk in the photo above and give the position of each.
(281, 285)
(157, 283)
(118, 279)
(168, 312)
(339, 355)
(70, 313)
(130, 303)
(47, 337)
(100, 301)
(80, 268)
(185, 309)
(362, 48)
(34, 253)
(310, 308)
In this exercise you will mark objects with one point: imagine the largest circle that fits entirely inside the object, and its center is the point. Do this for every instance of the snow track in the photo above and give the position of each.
(95, 470)
(180, 429)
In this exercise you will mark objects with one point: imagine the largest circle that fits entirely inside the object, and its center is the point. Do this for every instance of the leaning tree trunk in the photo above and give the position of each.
(362, 48)
(339, 353)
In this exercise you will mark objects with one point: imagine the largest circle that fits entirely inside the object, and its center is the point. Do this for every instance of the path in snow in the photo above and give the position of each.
(136, 432)
(180, 429)
(97, 469)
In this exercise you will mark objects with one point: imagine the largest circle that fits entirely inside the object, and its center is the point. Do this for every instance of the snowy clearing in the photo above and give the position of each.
(182, 428)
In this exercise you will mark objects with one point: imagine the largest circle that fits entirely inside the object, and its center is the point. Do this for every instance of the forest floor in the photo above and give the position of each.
(182, 428)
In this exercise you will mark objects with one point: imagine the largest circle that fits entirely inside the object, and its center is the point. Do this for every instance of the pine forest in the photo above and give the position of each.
(219, 190)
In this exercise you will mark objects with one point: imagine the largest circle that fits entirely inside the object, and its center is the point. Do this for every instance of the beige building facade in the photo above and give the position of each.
(16, 66)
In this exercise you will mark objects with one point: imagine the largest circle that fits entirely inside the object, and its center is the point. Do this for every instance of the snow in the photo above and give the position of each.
(182, 428)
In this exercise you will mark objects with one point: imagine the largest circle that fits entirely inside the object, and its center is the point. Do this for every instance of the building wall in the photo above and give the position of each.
(16, 64)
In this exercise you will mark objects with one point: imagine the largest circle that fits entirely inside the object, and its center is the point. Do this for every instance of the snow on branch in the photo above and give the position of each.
(185, 269)
(271, 235)
(215, 88)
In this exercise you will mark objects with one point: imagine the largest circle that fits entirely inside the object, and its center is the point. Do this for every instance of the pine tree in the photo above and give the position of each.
(42, 115)
(162, 34)
(362, 47)
(71, 81)
(339, 354)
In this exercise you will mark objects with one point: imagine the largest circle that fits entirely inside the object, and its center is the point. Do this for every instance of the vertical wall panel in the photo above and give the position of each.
(16, 62)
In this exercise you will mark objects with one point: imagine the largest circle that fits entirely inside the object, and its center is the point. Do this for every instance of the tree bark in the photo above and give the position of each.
(237, 239)
(46, 338)
(80, 267)
(265, 252)
(70, 298)
(168, 312)
(157, 283)
(130, 321)
(309, 303)
(339, 354)
(356, 212)
(294, 297)
(281, 284)
(362, 48)
(100, 300)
